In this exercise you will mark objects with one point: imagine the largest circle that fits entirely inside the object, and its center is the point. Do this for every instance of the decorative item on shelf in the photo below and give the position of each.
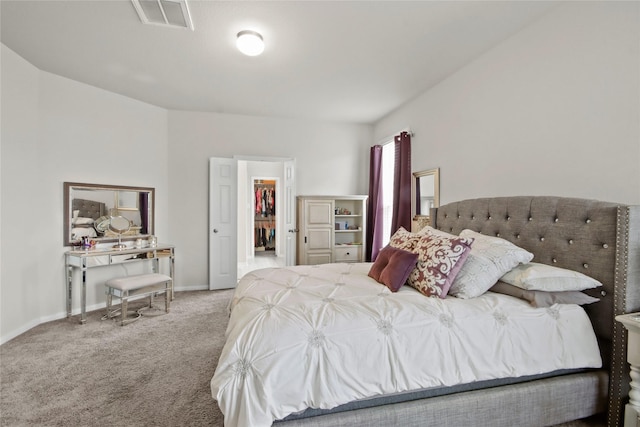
(87, 243)
(153, 241)
(138, 243)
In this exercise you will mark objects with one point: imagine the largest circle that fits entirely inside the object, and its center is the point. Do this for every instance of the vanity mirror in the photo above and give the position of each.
(89, 208)
(119, 225)
(425, 195)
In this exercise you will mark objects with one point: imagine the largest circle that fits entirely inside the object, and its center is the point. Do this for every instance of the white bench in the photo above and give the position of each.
(130, 287)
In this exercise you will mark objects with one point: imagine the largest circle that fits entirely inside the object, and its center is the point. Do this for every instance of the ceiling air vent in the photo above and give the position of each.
(170, 13)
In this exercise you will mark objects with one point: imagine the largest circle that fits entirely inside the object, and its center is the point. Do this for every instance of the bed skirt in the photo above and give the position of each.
(536, 403)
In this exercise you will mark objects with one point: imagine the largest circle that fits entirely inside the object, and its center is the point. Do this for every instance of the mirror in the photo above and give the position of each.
(425, 195)
(90, 211)
(119, 225)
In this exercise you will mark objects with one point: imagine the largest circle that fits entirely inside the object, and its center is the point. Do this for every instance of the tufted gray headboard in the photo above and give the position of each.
(599, 239)
(88, 208)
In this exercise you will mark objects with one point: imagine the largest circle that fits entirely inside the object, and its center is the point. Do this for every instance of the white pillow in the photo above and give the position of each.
(541, 277)
(83, 221)
(490, 258)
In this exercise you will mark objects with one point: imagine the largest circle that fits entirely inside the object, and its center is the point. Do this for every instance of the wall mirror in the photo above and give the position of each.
(89, 208)
(425, 194)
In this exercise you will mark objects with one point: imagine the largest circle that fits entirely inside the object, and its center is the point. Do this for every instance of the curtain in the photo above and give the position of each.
(416, 196)
(375, 214)
(143, 206)
(402, 183)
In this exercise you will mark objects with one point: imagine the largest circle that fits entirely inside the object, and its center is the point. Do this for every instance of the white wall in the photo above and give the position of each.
(55, 130)
(554, 110)
(20, 282)
(331, 158)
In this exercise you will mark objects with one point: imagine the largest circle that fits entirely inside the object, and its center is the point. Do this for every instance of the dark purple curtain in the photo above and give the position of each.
(144, 211)
(402, 183)
(375, 214)
(417, 199)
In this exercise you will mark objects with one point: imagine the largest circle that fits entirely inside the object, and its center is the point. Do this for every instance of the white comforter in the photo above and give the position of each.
(322, 336)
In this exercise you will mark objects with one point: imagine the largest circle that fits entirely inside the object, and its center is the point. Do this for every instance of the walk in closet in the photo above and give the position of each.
(265, 215)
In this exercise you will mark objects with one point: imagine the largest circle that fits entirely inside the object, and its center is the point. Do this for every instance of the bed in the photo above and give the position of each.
(287, 345)
(85, 214)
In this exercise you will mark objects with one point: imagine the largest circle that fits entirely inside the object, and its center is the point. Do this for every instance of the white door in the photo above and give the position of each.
(223, 204)
(290, 211)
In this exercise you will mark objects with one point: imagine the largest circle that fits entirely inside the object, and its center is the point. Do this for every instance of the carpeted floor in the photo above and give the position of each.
(152, 372)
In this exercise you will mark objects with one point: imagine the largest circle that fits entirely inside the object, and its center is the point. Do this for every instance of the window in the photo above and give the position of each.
(388, 158)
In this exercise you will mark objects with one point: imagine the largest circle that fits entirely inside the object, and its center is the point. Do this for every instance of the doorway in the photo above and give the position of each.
(232, 254)
(264, 248)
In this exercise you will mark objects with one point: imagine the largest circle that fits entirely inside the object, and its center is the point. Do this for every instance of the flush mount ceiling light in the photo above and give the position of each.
(250, 43)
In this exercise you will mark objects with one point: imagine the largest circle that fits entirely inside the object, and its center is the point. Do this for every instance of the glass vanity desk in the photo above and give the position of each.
(82, 260)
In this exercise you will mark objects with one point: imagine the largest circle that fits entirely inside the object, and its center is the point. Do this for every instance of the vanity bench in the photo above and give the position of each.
(131, 287)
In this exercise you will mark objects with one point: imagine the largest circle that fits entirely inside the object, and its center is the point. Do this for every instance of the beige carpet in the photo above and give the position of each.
(152, 372)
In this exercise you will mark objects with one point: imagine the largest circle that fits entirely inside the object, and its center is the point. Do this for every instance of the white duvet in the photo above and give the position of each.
(322, 336)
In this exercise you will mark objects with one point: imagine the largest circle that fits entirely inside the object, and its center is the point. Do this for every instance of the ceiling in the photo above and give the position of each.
(346, 61)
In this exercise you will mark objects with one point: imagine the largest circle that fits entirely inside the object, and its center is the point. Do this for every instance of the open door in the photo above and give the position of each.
(223, 205)
(290, 211)
(223, 217)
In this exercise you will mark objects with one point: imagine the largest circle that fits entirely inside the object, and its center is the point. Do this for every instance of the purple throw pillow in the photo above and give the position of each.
(392, 267)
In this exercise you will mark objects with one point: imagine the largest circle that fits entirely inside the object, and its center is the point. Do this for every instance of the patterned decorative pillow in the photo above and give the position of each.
(440, 258)
(403, 239)
(489, 259)
(392, 267)
(541, 277)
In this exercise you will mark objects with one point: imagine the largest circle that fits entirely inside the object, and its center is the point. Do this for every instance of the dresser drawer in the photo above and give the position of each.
(347, 254)
(95, 261)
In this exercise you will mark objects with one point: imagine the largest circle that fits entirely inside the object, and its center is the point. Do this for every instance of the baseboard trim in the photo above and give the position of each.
(63, 314)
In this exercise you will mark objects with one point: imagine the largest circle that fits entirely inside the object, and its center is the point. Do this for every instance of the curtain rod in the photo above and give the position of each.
(390, 139)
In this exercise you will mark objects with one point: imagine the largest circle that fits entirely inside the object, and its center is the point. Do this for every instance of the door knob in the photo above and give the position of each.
(215, 230)
(293, 230)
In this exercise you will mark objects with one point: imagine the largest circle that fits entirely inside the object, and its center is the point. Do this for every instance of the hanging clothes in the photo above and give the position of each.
(258, 200)
(265, 210)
